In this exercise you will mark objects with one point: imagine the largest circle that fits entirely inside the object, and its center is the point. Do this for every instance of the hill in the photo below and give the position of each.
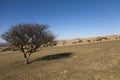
(87, 40)
(95, 61)
(4, 44)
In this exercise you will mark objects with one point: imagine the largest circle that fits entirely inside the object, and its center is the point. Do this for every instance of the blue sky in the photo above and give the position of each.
(68, 19)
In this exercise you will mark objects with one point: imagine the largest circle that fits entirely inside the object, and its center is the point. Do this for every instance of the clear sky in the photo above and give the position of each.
(67, 18)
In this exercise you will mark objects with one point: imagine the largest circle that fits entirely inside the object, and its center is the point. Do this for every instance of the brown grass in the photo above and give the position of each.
(93, 61)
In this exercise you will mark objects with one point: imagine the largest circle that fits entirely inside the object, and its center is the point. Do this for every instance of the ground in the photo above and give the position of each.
(93, 61)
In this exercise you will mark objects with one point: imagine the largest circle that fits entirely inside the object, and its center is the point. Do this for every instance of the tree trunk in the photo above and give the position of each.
(26, 58)
(26, 61)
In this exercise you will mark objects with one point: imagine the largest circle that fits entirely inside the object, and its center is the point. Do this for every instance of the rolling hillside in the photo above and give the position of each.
(95, 61)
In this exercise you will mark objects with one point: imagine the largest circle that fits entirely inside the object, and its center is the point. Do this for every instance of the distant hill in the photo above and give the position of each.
(4, 44)
(87, 40)
(78, 41)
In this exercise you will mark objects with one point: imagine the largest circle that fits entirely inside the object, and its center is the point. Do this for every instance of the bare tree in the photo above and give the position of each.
(28, 37)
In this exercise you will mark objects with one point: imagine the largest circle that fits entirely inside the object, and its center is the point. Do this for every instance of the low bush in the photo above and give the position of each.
(80, 41)
(101, 38)
(10, 48)
(74, 42)
(88, 40)
(64, 42)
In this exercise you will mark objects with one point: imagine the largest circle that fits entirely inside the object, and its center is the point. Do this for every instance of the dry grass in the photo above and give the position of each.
(94, 61)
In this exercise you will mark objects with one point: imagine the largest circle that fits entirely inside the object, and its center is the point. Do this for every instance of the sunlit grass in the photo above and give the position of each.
(94, 61)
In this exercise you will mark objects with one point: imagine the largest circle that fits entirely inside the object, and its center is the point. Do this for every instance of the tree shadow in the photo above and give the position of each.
(54, 56)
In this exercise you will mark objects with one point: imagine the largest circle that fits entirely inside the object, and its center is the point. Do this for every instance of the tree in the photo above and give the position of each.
(28, 38)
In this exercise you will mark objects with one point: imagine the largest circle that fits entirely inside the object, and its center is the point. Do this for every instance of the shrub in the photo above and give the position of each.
(88, 41)
(64, 42)
(80, 41)
(74, 42)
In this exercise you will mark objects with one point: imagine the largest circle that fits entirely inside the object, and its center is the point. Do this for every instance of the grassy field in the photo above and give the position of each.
(93, 61)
